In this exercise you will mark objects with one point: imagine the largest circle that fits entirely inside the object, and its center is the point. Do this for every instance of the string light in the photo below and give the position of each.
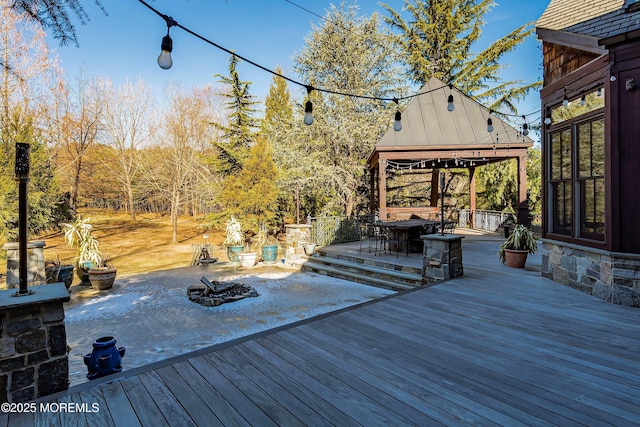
(525, 126)
(583, 100)
(166, 47)
(166, 62)
(450, 106)
(565, 100)
(308, 109)
(397, 123)
(547, 118)
(490, 123)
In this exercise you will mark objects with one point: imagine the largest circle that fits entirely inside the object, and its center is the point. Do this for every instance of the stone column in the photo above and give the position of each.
(35, 262)
(33, 343)
(296, 235)
(442, 257)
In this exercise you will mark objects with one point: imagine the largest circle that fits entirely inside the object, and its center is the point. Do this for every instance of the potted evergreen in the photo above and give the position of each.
(234, 240)
(515, 249)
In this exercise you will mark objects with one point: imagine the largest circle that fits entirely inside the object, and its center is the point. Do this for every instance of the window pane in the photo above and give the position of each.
(566, 154)
(599, 209)
(556, 149)
(597, 148)
(584, 150)
(588, 206)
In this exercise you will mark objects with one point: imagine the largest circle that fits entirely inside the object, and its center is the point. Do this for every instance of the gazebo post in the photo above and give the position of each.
(382, 188)
(472, 196)
(523, 205)
(372, 191)
(434, 187)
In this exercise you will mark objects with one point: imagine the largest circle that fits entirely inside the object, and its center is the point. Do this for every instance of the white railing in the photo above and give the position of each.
(484, 220)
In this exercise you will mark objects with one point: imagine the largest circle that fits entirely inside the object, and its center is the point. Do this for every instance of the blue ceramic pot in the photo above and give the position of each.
(105, 359)
(269, 254)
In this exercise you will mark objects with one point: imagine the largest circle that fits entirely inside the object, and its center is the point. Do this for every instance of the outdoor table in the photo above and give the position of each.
(411, 229)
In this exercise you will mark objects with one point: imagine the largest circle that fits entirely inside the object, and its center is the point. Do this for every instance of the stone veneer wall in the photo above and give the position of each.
(611, 276)
(33, 343)
(442, 257)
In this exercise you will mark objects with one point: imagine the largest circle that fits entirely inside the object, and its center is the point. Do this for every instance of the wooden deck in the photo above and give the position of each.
(495, 347)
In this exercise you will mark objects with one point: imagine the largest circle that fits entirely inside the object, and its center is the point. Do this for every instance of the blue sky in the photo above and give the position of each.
(126, 43)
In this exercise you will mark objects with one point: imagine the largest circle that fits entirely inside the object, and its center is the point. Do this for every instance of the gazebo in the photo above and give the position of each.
(433, 138)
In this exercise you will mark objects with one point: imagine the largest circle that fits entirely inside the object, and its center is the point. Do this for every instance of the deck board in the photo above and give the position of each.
(494, 347)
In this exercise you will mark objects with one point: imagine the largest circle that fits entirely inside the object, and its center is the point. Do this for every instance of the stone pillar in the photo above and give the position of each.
(296, 235)
(33, 343)
(35, 263)
(442, 257)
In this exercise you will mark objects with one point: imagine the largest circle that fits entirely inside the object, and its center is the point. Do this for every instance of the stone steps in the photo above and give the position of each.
(362, 270)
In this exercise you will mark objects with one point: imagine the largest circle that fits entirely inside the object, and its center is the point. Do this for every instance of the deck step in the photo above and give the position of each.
(361, 273)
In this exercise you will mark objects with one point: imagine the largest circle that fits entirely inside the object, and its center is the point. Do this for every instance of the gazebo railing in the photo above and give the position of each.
(491, 220)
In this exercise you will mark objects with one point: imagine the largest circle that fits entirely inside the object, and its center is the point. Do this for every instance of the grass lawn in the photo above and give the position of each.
(137, 247)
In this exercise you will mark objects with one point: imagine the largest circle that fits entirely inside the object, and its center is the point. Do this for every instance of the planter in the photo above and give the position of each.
(105, 358)
(248, 259)
(515, 258)
(61, 273)
(83, 273)
(233, 253)
(270, 254)
(309, 248)
(102, 278)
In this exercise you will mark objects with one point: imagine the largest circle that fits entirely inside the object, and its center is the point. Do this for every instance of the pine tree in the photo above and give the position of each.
(239, 132)
(351, 54)
(438, 38)
(252, 195)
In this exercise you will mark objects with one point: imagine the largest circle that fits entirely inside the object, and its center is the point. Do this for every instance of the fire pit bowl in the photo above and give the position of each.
(211, 294)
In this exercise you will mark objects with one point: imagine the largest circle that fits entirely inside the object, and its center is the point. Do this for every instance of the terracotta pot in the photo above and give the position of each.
(515, 258)
(102, 278)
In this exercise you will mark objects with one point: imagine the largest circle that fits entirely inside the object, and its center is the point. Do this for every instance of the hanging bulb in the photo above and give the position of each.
(583, 100)
(450, 106)
(164, 60)
(599, 92)
(525, 126)
(565, 101)
(397, 124)
(489, 125)
(308, 113)
(547, 119)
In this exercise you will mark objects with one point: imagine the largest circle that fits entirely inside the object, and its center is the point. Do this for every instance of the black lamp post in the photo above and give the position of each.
(22, 176)
(441, 204)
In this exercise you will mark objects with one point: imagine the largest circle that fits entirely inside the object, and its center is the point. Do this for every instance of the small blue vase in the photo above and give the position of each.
(105, 359)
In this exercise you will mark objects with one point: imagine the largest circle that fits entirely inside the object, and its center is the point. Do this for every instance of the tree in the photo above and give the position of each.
(55, 14)
(171, 167)
(252, 194)
(438, 38)
(125, 126)
(350, 54)
(238, 133)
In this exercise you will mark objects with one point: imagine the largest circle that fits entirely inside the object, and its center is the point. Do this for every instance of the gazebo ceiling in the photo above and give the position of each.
(430, 131)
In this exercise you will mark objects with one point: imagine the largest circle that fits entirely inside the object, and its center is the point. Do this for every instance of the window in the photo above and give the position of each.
(576, 178)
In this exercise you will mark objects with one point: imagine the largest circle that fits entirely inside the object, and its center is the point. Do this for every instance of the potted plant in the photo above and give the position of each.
(234, 240)
(515, 249)
(79, 234)
(55, 271)
(248, 257)
(103, 274)
(270, 249)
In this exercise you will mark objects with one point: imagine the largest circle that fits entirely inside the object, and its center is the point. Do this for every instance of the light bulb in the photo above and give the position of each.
(489, 125)
(164, 60)
(397, 124)
(612, 78)
(525, 129)
(308, 113)
(599, 92)
(547, 120)
(583, 101)
(450, 106)
(565, 101)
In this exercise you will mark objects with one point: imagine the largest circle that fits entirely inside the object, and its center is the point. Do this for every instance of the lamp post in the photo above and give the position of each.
(442, 203)
(22, 176)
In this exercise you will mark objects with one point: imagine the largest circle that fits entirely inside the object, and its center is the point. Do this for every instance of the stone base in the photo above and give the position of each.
(611, 276)
(442, 257)
(33, 343)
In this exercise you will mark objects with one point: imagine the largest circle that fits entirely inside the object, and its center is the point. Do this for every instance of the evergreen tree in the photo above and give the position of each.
(438, 38)
(277, 128)
(239, 132)
(252, 195)
(348, 53)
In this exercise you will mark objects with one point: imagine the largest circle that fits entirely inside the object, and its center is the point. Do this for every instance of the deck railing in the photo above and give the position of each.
(328, 230)
(491, 220)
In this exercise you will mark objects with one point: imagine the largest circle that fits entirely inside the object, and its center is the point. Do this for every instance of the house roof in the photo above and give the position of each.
(426, 123)
(586, 23)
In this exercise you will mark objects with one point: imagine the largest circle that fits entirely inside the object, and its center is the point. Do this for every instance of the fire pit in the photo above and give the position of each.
(211, 294)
